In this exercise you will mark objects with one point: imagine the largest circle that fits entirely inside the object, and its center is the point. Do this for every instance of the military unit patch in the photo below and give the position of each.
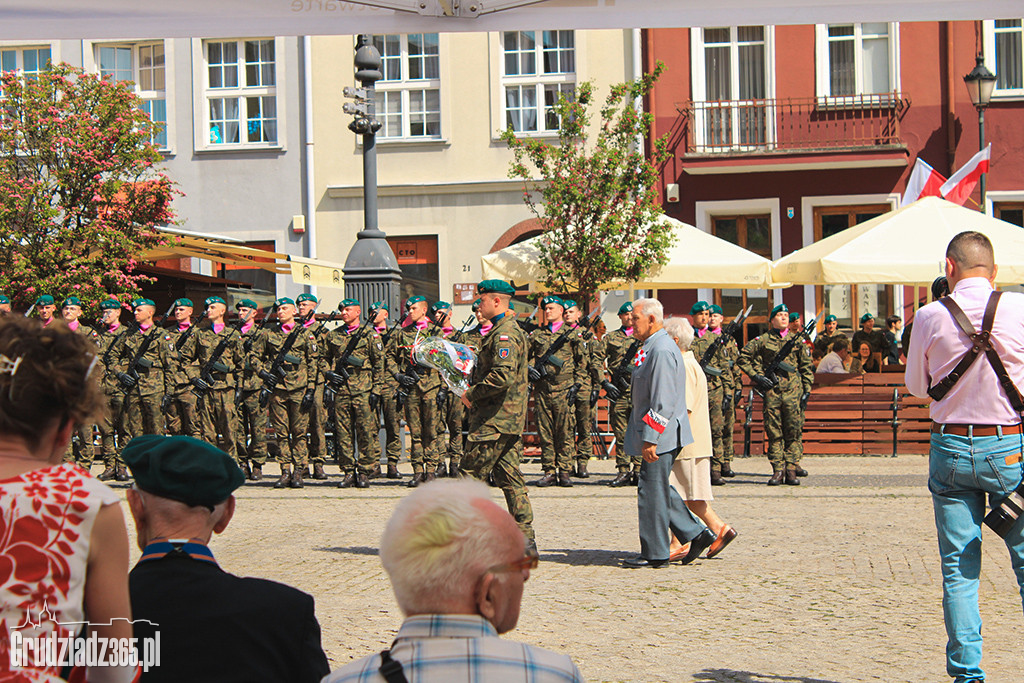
(503, 353)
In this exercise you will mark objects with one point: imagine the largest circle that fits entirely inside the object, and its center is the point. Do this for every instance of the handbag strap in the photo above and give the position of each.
(391, 669)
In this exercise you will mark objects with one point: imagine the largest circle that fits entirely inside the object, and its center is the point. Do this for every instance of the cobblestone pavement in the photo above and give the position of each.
(836, 580)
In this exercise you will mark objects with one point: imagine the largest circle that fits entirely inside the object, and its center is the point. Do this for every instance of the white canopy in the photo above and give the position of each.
(903, 247)
(140, 19)
(697, 259)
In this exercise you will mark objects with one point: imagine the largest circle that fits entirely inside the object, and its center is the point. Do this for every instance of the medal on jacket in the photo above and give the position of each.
(641, 356)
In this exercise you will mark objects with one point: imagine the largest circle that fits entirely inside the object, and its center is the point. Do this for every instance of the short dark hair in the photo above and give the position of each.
(892, 320)
(970, 250)
(840, 344)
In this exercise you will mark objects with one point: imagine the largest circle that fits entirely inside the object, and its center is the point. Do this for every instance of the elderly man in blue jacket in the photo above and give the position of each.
(658, 429)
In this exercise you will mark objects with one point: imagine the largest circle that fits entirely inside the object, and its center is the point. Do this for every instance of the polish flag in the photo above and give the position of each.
(924, 181)
(960, 185)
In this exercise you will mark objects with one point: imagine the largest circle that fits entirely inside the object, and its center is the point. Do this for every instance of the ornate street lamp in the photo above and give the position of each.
(980, 84)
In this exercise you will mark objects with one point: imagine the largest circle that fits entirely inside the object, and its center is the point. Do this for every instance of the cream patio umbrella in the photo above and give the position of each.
(697, 259)
(903, 247)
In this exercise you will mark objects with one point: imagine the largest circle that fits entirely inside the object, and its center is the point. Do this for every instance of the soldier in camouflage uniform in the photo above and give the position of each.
(252, 419)
(292, 381)
(496, 401)
(868, 334)
(823, 342)
(307, 304)
(214, 358)
(556, 383)
(783, 412)
(354, 365)
(389, 388)
(620, 348)
(81, 450)
(45, 309)
(419, 384)
(729, 354)
(151, 391)
(721, 384)
(182, 416)
(112, 435)
(591, 375)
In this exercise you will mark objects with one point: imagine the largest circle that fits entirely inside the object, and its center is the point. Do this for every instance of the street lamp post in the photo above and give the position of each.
(371, 269)
(980, 83)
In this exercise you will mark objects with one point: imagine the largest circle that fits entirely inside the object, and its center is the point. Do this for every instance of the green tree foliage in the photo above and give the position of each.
(597, 200)
(80, 193)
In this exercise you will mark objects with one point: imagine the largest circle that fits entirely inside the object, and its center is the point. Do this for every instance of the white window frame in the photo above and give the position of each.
(988, 28)
(860, 99)
(536, 80)
(698, 63)
(407, 87)
(91, 59)
(203, 94)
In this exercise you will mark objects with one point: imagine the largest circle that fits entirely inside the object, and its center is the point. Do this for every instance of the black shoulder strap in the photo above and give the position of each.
(391, 669)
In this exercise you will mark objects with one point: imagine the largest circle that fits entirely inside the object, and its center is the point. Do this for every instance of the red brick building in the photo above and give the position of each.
(781, 135)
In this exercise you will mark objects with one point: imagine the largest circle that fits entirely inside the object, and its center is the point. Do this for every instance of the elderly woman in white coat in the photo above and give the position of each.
(691, 472)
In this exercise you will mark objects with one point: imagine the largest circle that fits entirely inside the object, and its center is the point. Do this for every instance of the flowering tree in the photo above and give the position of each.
(597, 199)
(80, 194)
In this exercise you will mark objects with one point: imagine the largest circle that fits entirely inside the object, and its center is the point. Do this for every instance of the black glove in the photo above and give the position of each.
(400, 399)
(727, 403)
(200, 384)
(329, 396)
(442, 396)
(611, 391)
(267, 377)
(264, 397)
(573, 391)
(165, 403)
(533, 373)
(374, 402)
(405, 380)
(595, 394)
(763, 384)
(127, 381)
(307, 400)
(803, 400)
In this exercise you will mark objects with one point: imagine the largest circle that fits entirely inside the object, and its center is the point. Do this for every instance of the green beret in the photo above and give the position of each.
(552, 299)
(794, 315)
(110, 305)
(183, 302)
(626, 308)
(700, 307)
(866, 317)
(715, 308)
(476, 305)
(4, 299)
(44, 300)
(284, 300)
(72, 301)
(379, 306)
(830, 318)
(440, 306)
(182, 468)
(246, 303)
(215, 300)
(569, 303)
(414, 300)
(348, 302)
(777, 309)
(495, 287)
(306, 297)
(143, 302)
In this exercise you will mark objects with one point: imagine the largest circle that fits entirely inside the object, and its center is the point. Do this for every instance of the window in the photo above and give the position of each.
(731, 80)
(417, 259)
(408, 98)
(27, 60)
(143, 65)
(849, 302)
(1011, 212)
(537, 67)
(1003, 41)
(856, 60)
(755, 234)
(241, 92)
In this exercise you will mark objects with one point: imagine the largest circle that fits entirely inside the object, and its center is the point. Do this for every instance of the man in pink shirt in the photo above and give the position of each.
(976, 441)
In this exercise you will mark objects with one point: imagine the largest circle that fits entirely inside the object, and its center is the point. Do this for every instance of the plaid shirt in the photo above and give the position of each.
(460, 647)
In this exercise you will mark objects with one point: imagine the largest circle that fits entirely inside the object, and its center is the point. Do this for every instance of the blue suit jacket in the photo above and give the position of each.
(659, 398)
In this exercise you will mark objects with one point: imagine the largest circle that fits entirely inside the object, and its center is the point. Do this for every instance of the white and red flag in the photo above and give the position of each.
(960, 185)
(924, 181)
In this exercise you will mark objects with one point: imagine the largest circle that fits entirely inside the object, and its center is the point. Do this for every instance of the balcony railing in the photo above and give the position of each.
(793, 125)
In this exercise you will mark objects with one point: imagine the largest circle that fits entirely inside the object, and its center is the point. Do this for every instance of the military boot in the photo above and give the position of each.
(107, 474)
(318, 471)
(122, 474)
(376, 471)
(349, 480)
(393, 472)
(778, 477)
(549, 479)
(564, 480)
(362, 481)
(246, 470)
(296, 480)
(621, 479)
(791, 478)
(284, 479)
(417, 479)
(256, 472)
(581, 470)
(716, 478)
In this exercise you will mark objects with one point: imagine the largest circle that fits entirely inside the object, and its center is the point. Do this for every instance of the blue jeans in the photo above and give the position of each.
(962, 470)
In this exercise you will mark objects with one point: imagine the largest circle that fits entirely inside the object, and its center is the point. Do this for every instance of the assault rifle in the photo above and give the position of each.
(247, 344)
(204, 382)
(767, 381)
(277, 372)
(748, 420)
(29, 311)
(179, 343)
(620, 381)
(723, 338)
(130, 378)
(539, 369)
(341, 374)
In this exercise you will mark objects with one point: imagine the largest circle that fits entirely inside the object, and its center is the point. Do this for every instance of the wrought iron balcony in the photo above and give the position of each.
(814, 124)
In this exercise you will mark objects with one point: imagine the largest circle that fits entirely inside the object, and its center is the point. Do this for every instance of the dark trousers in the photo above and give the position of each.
(660, 508)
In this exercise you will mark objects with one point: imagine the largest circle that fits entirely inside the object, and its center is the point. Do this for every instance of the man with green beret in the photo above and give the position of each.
(211, 625)
(557, 366)
(317, 430)
(784, 400)
(354, 365)
(823, 340)
(82, 449)
(591, 374)
(620, 348)
(251, 441)
(45, 309)
(417, 392)
(724, 386)
(112, 427)
(182, 413)
(287, 358)
(867, 333)
(700, 316)
(496, 402)
(389, 409)
(148, 359)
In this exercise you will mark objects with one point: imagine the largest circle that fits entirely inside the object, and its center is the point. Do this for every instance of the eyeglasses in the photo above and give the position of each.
(527, 562)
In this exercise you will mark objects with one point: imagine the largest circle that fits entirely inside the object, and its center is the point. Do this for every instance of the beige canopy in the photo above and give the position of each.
(697, 259)
(903, 247)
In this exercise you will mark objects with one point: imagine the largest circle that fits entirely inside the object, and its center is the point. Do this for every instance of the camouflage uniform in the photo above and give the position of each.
(420, 403)
(287, 418)
(252, 419)
(142, 413)
(473, 339)
(551, 393)
(318, 411)
(499, 393)
(389, 403)
(82, 450)
(591, 374)
(824, 340)
(112, 433)
(783, 418)
(723, 379)
(352, 412)
(617, 346)
(182, 416)
(217, 406)
(450, 419)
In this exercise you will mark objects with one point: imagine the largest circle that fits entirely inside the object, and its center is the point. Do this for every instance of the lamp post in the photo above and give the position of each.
(980, 83)
(371, 269)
